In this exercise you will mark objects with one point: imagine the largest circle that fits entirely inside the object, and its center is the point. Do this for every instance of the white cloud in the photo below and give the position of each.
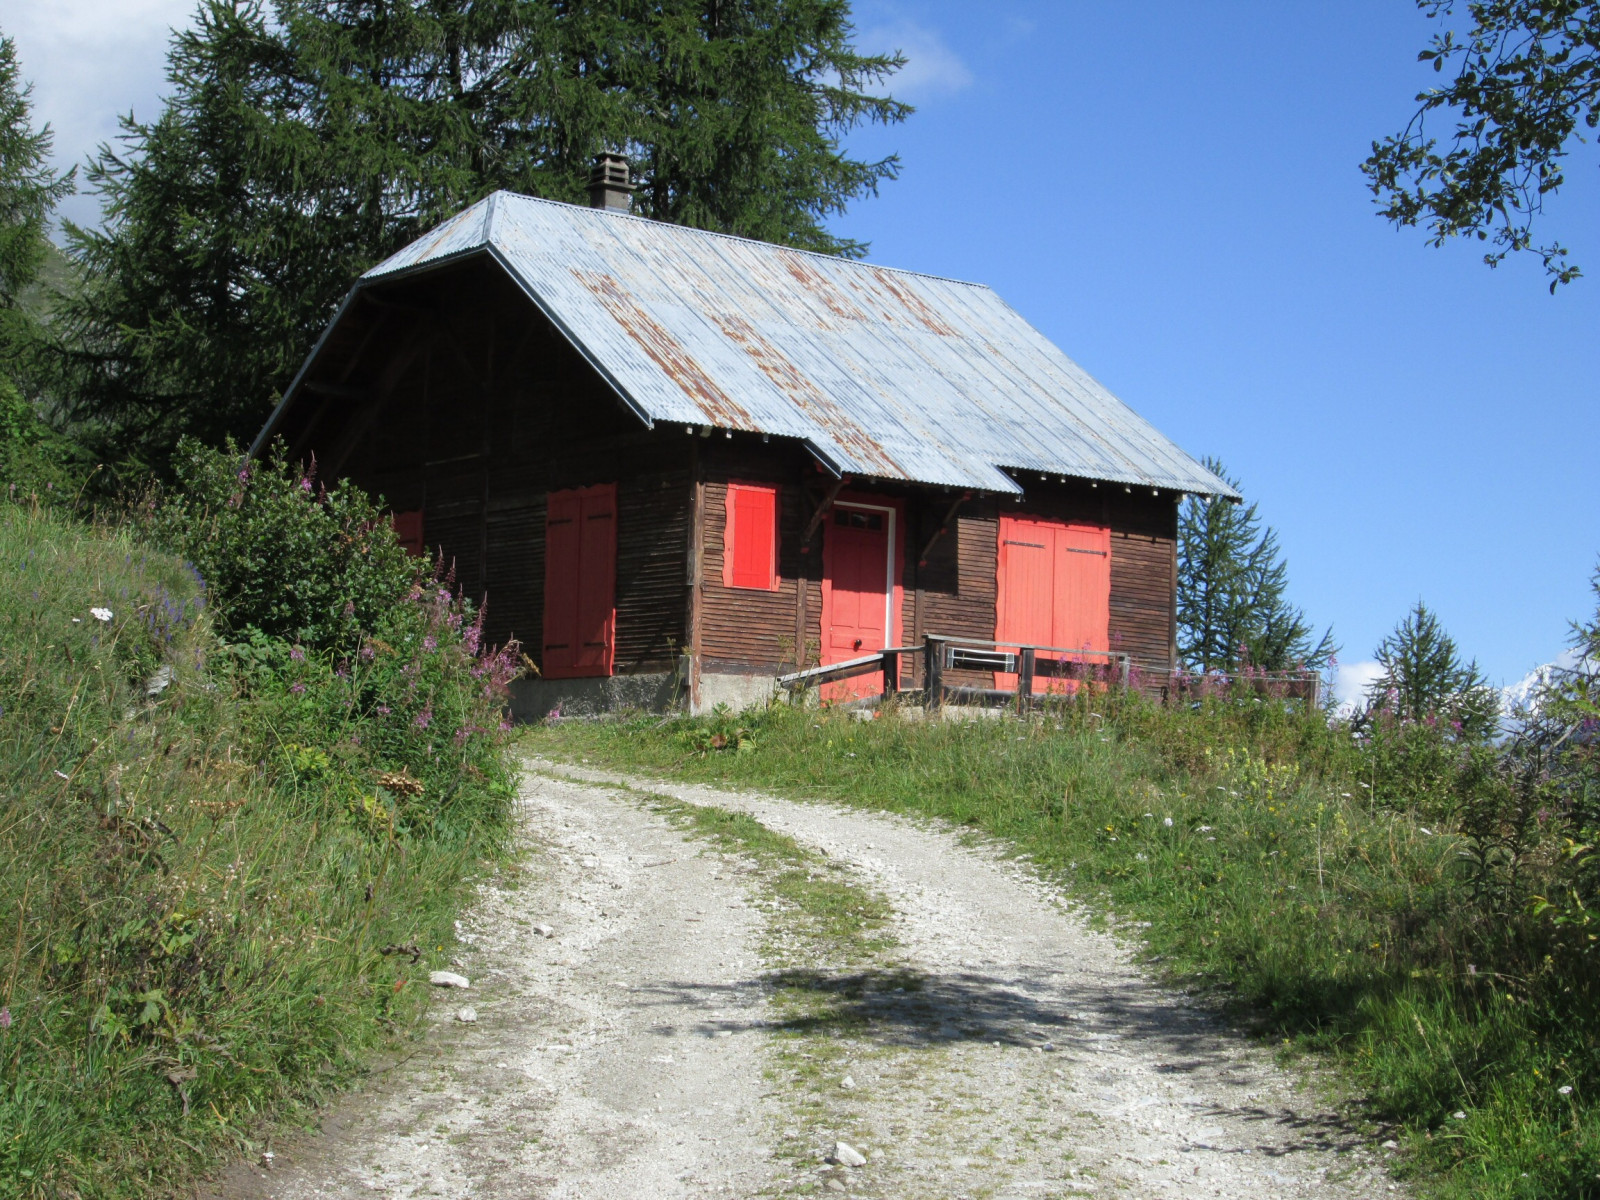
(1351, 681)
(91, 61)
(932, 67)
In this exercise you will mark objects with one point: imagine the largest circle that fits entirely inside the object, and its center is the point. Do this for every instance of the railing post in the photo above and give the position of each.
(1124, 670)
(891, 673)
(933, 672)
(1025, 679)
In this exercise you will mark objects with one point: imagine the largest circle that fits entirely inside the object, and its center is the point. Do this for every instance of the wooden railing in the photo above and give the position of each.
(941, 654)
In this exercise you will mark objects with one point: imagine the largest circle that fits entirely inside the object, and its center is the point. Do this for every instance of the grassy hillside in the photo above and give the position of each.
(1364, 901)
(204, 853)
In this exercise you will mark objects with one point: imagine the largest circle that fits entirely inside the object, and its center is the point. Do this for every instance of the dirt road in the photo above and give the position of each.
(675, 1036)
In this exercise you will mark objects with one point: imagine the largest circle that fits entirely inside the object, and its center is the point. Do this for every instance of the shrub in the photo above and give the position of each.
(281, 553)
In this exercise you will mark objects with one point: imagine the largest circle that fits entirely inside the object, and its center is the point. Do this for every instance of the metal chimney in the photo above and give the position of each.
(609, 186)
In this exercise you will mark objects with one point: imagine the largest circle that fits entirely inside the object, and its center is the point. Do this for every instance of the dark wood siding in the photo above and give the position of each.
(475, 427)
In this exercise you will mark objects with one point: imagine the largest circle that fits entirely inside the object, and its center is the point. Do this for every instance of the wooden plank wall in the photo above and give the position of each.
(496, 412)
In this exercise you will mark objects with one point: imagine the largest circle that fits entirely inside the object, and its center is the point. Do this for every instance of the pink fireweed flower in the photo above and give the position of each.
(5, 1018)
(424, 718)
(384, 710)
(505, 726)
(296, 654)
(298, 689)
(368, 653)
(430, 643)
(305, 483)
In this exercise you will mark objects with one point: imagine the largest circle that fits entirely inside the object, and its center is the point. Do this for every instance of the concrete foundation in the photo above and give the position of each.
(535, 699)
(738, 692)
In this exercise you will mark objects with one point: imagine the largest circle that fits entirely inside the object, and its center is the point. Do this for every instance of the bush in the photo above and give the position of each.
(283, 554)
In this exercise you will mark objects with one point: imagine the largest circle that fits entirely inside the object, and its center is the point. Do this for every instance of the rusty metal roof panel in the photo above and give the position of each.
(885, 373)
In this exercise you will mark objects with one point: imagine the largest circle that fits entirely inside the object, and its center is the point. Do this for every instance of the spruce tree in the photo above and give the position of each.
(1424, 677)
(29, 191)
(1233, 608)
(303, 143)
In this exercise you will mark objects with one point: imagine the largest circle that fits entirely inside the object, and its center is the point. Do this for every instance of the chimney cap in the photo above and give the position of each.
(610, 184)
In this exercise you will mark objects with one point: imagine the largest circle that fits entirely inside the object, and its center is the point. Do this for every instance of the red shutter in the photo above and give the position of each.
(1053, 587)
(408, 531)
(580, 538)
(750, 537)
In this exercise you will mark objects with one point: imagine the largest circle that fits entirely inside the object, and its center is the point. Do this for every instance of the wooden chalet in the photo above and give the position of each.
(676, 464)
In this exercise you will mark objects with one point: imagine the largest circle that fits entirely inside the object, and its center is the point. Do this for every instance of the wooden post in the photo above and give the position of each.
(1025, 679)
(1125, 670)
(933, 672)
(891, 673)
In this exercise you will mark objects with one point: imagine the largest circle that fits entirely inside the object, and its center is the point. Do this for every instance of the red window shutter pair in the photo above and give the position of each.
(408, 532)
(580, 570)
(750, 537)
(1054, 586)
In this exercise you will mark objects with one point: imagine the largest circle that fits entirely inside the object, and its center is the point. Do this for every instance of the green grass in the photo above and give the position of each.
(192, 920)
(1247, 852)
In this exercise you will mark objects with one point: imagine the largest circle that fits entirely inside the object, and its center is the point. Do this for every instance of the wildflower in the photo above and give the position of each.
(505, 726)
(1565, 1089)
(305, 483)
(1425, 829)
(100, 614)
(298, 689)
(5, 1021)
(367, 652)
(296, 654)
(384, 710)
(430, 643)
(1167, 822)
(424, 718)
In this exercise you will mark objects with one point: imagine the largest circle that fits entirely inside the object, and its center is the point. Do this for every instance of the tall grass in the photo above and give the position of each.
(1314, 884)
(217, 890)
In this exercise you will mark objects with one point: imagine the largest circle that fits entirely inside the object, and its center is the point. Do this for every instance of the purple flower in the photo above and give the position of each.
(424, 718)
(298, 688)
(296, 654)
(367, 653)
(430, 643)
(305, 484)
(349, 608)
(384, 710)
(5, 1017)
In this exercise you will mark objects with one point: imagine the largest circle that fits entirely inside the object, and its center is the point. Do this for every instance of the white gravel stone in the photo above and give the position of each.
(448, 979)
(847, 1155)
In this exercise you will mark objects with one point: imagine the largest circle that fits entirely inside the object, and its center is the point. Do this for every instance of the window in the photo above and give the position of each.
(580, 571)
(750, 537)
(408, 531)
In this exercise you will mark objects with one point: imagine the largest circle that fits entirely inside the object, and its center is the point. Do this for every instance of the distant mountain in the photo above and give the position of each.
(1525, 693)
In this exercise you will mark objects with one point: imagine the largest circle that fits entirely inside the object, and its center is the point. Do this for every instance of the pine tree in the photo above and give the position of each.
(1424, 677)
(296, 149)
(29, 192)
(1233, 609)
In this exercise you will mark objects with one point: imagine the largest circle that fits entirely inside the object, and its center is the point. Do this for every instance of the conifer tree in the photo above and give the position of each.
(1424, 676)
(29, 191)
(1233, 609)
(303, 143)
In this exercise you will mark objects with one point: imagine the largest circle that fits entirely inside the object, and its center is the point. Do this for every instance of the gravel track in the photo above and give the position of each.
(636, 1053)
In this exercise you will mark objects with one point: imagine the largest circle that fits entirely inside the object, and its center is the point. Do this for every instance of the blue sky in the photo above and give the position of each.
(1170, 192)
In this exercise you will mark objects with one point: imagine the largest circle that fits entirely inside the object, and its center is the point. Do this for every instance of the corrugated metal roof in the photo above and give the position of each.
(884, 373)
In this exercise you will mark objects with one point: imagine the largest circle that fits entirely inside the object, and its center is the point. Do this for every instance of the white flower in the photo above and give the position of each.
(1565, 1089)
(100, 614)
(1460, 1116)
(1167, 822)
(1202, 829)
(1425, 829)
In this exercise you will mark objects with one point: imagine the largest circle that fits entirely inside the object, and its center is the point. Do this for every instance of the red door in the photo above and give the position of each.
(1054, 589)
(859, 598)
(580, 569)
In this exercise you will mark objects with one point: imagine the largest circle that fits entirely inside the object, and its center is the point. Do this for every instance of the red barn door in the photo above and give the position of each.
(1054, 589)
(580, 572)
(860, 597)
